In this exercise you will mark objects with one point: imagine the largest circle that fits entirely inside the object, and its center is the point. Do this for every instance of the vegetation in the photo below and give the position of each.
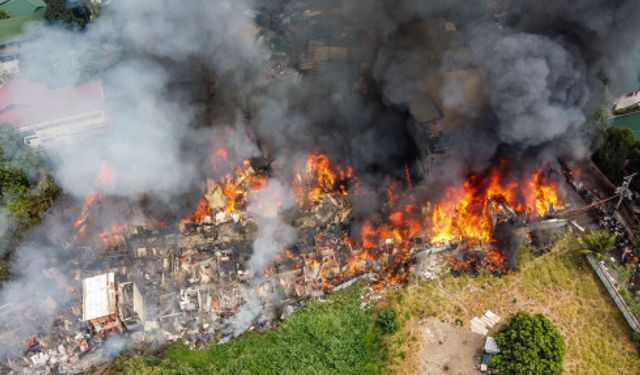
(616, 151)
(388, 321)
(335, 336)
(631, 301)
(599, 243)
(559, 284)
(26, 191)
(74, 14)
(4, 15)
(635, 337)
(529, 344)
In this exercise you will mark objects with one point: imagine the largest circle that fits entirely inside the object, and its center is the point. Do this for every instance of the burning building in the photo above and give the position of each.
(242, 178)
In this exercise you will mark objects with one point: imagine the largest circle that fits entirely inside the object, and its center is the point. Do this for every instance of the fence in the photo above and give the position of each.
(613, 292)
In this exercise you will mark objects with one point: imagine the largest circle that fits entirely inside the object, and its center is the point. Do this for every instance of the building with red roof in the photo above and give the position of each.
(48, 117)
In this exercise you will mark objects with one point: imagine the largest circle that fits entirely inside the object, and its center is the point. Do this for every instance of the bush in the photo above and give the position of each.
(388, 321)
(635, 337)
(599, 243)
(529, 344)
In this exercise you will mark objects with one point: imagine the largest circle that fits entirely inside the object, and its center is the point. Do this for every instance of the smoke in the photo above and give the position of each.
(7, 227)
(536, 86)
(150, 61)
(274, 234)
(157, 65)
(266, 208)
(177, 76)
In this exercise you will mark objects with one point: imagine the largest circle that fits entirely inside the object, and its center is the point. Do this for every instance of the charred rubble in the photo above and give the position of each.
(188, 281)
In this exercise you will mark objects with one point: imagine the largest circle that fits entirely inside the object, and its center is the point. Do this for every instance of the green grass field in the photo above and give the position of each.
(334, 336)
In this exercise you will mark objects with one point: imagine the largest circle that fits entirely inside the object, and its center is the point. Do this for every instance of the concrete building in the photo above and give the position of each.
(626, 104)
(49, 118)
(99, 303)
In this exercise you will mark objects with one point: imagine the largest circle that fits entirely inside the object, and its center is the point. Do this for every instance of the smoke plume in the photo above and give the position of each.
(181, 78)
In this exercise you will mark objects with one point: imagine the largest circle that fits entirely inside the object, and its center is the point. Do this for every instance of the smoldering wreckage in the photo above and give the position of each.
(488, 131)
(194, 282)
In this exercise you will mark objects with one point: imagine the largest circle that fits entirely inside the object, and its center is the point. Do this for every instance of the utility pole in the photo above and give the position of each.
(623, 191)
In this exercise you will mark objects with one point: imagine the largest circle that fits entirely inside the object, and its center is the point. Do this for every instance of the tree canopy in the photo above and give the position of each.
(617, 153)
(529, 344)
(74, 14)
(26, 191)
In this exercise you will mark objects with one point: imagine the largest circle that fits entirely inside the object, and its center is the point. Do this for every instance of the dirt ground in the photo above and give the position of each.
(448, 349)
(559, 285)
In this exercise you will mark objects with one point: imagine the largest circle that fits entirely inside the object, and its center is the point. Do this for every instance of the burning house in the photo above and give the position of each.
(244, 179)
(99, 303)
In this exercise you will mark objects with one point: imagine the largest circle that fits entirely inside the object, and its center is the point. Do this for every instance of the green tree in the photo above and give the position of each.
(75, 15)
(616, 152)
(4, 15)
(529, 345)
(599, 243)
(26, 192)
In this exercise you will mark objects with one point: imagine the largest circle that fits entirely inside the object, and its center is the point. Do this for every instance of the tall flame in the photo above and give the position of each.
(465, 212)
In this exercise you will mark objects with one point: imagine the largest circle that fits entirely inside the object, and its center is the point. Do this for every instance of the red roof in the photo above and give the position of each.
(24, 103)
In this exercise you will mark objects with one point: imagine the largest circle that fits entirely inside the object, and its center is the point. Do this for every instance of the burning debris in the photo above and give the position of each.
(195, 280)
(360, 148)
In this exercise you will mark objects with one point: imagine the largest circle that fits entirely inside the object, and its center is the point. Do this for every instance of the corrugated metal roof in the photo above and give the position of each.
(24, 103)
(98, 296)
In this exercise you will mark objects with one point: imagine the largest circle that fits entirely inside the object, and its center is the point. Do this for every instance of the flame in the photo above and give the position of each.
(319, 178)
(234, 187)
(106, 176)
(199, 213)
(464, 213)
(104, 180)
(381, 248)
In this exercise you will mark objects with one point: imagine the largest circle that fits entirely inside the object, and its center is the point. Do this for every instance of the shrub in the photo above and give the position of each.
(529, 344)
(388, 321)
(599, 243)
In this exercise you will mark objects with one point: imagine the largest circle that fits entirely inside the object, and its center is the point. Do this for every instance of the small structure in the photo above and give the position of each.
(49, 118)
(482, 325)
(490, 345)
(626, 104)
(490, 349)
(99, 303)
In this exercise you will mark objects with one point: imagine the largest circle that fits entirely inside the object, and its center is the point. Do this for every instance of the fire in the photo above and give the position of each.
(229, 194)
(320, 178)
(106, 176)
(199, 213)
(104, 180)
(467, 212)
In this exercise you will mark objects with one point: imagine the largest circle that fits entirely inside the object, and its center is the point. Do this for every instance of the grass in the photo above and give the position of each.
(335, 336)
(559, 285)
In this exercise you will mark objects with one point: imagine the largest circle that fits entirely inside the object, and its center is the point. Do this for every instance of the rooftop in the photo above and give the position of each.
(24, 103)
(98, 296)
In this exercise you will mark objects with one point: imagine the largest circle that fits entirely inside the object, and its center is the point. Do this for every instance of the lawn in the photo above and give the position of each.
(559, 284)
(334, 336)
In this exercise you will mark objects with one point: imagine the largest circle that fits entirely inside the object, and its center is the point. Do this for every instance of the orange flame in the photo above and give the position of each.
(234, 187)
(465, 212)
(319, 179)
